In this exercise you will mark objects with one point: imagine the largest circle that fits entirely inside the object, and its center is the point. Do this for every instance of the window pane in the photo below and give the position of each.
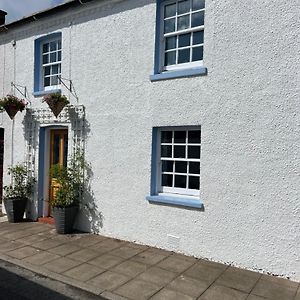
(169, 25)
(194, 168)
(198, 37)
(170, 58)
(47, 71)
(194, 183)
(55, 69)
(183, 56)
(45, 48)
(197, 53)
(59, 44)
(180, 166)
(171, 42)
(47, 81)
(183, 6)
(166, 151)
(198, 19)
(170, 10)
(183, 22)
(180, 181)
(53, 57)
(194, 136)
(166, 136)
(179, 136)
(166, 180)
(54, 80)
(167, 166)
(45, 58)
(198, 4)
(194, 152)
(179, 151)
(59, 56)
(184, 40)
(53, 46)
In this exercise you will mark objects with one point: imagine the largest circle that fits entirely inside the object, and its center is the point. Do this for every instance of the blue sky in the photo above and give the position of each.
(17, 9)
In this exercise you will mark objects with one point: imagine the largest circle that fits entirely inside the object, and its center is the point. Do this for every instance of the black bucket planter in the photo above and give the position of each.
(64, 218)
(15, 208)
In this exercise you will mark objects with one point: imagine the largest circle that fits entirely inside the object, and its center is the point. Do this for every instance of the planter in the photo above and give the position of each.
(11, 110)
(15, 208)
(64, 218)
(56, 107)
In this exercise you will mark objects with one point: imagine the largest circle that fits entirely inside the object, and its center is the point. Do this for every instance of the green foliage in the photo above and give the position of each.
(55, 98)
(71, 181)
(22, 183)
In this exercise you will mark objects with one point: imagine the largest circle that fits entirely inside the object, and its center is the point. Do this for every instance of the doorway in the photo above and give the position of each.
(58, 154)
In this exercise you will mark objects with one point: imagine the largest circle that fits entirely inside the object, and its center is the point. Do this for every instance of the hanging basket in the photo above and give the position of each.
(56, 108)
(11, 110)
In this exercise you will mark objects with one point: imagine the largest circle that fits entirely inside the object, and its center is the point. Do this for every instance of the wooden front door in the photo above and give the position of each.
(58, 155)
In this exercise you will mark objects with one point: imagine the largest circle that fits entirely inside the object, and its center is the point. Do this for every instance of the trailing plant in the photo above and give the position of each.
(70, 180)
(22, 183)
(11, 100)
(55, 98)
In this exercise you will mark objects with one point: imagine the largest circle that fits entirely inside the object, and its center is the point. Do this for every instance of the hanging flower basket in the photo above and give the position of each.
(56, 102)
(12, 104)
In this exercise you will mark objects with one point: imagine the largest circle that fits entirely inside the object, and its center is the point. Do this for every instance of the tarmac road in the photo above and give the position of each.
(20, 284)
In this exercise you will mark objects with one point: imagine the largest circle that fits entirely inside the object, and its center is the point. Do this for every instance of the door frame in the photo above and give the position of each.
(44, 164)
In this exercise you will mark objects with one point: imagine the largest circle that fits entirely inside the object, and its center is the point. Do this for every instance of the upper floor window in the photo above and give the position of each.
(51, 63)
(182, 27)
(47, 63)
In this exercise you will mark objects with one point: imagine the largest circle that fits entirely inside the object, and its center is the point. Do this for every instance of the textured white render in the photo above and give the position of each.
(248, 106)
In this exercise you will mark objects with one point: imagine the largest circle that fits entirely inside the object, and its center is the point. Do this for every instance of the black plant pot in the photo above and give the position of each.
(64, 218)
(15, 208)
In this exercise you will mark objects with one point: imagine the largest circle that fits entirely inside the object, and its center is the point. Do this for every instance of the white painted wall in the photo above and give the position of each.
(248, 106)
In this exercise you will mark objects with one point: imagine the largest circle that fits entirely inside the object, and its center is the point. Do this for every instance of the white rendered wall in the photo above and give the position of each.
(248, 106)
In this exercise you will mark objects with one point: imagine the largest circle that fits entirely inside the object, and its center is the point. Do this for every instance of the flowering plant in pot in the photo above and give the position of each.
(56, 102)
(12, 105)
(65, 202)
(17, 193)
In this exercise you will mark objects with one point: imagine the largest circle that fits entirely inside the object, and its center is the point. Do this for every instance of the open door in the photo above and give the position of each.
(58, 155)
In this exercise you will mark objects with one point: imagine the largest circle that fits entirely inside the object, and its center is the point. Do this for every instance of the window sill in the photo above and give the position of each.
(42, 93)
(179, 74)
(176, 201)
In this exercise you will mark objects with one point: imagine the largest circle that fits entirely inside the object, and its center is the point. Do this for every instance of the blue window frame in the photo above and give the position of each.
(175, 168)
(47, 64)
(179, 40)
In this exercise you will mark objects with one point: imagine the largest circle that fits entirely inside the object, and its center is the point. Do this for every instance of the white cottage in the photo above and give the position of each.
(188, 113)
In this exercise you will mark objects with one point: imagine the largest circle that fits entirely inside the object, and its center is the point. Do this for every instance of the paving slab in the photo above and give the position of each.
(130, 268)
(47, 244)
(106, 246)
(87, 240)
(29, 240)
(126, 252)
(41, 258)
(206, 271)
(275, 288)
(108, 280)
(84, 272)
(138, 289)
(10, 245)
(217, 292)
(174, 264)
(167, 294)
(298, 294)
(157, 275)
(23, 252)
(238, 279)
(83, 255)
(149, 257)
(106, 261)
(64, 249)
(61, 265)
(188, 286)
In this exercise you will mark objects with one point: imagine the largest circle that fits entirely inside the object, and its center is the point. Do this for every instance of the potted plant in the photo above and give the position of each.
(12, 105)
(56, 102)
(65, 202)
(17, 193)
